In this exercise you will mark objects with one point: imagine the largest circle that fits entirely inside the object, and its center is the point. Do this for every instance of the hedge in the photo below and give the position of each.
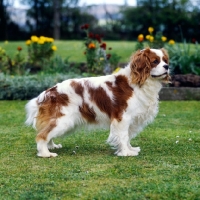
(27, 87)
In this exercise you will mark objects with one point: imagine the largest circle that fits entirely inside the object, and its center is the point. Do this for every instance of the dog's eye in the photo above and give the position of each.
(155, 61)
(165, 61)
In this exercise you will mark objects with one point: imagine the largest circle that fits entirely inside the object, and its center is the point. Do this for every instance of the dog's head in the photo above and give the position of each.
(152, 63)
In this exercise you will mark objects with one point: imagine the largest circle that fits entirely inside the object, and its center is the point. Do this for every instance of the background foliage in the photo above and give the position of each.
(27, 87)
(69, 61)
(61, 20)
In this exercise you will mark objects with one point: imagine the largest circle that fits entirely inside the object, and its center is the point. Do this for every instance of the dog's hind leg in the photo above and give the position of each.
(45, 137)
(43, 151)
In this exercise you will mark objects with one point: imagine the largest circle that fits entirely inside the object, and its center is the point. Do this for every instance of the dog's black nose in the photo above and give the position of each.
(166, 67)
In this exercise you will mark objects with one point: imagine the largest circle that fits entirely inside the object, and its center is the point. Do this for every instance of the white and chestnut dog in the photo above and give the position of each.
(124, 102)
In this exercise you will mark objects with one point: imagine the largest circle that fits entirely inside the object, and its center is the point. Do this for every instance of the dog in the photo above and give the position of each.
(124, 102)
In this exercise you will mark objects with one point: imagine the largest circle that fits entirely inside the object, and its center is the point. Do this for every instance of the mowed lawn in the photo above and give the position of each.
(74, 49)
(168, 166)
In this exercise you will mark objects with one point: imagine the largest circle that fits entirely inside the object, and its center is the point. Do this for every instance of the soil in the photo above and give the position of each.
(187, 80)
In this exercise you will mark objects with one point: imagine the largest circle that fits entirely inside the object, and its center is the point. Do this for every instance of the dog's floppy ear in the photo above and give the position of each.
(140, 66)
(167, 78)
(165, 52)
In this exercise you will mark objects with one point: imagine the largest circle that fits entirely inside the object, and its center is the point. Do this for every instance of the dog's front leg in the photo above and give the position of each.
(119, 138)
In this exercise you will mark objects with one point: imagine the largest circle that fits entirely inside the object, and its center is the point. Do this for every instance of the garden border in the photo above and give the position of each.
(179, 93)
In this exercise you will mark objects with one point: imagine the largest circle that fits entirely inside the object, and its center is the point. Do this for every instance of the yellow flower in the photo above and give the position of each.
(163, 38)
(2, 51)
(101, 58)
(54, 48)
(34, 38)
(171, 42)
(150, 29)
(147, 37)
(43, 38)
(49, 39)
(28, 42)
(40, 41)
(116, 70)
(6, 42)
(140, 37)
(91, 46)
(151, 38)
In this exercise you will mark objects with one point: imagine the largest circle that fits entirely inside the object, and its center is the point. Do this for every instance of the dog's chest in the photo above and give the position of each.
(146, 113)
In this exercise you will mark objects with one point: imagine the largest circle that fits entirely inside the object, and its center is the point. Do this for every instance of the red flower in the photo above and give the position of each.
(98, 38)
(108, 56)
(103, 46)
(85, 26)
(19, 48)
(91, 35)
(193, 40)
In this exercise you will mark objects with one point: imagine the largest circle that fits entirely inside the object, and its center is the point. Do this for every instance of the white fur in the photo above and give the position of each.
(141, 110)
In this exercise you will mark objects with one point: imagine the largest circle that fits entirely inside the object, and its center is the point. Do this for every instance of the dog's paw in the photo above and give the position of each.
(47, 155)
(127, 153)
(137, 149)
(54, 146)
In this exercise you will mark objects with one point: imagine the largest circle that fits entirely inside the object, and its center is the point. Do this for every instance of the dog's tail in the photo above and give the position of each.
(31, 112)
(32, 108)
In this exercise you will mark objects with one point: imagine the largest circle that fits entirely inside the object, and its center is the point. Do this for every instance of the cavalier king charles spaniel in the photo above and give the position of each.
(124, 102)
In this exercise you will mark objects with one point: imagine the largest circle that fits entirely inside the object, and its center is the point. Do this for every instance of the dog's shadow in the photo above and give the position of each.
(84, 149)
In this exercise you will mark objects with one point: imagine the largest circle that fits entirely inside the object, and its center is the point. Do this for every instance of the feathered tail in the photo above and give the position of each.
(31, 112)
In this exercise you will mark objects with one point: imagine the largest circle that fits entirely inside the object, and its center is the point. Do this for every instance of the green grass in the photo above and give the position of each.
(74, 49)
(163, 170)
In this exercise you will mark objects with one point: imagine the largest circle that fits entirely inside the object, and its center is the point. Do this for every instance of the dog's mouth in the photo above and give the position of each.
(157, 76)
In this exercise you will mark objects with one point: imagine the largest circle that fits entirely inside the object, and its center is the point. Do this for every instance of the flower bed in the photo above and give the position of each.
(182, 87)
(185, 80)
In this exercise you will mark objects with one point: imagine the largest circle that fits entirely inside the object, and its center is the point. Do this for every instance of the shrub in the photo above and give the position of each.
(183, 60)
(12, 66)
(40, 58)
(98, 60)
(40, 51)
(3, 60)
(27, 87)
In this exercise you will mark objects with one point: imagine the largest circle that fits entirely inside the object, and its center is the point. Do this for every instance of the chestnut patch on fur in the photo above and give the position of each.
(121, 93)
(78, 88)
(49, 111)
(87, 113)
(115, 107)
(102, 100)
(45, 131)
